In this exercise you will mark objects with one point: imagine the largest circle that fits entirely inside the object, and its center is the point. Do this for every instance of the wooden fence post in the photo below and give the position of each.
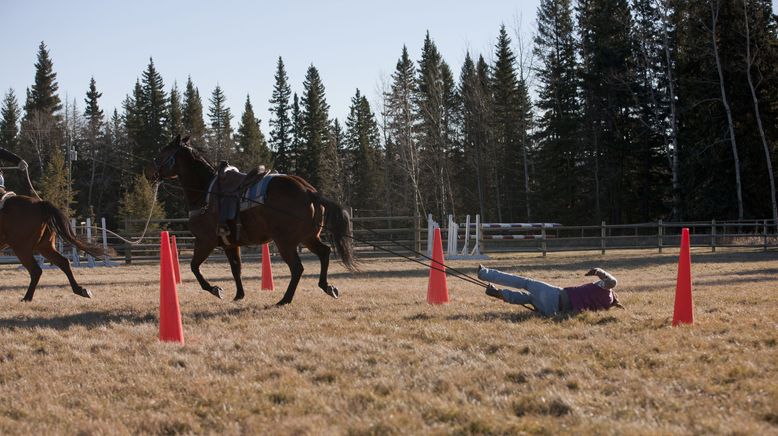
(543, 246)
(602, 237)
(127, 246)
(765, 235)
(713, 235)
(659, 235)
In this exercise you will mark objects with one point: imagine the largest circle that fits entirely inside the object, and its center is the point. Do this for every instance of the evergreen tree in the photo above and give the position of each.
(134, 124)
(193, 122)
(9, 122)
(280, 123)
(175, 116)
(607, 76)
(560, 160)
(41, 129)
(402, 155)
(509, 127)
(93, 137)
(135, 205)
(430, 100)
(220, 141)
(315, 129)
(155, 113)
(252, 149)
(363, 146)
(295, 151)
(54, 186)
(334, 163)
(474, 104)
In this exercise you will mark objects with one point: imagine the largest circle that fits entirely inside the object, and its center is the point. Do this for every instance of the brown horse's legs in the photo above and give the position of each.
(322, 251)
(201, 252)
(49, 252)
(233, 255)
(288, 252)
(28, 260)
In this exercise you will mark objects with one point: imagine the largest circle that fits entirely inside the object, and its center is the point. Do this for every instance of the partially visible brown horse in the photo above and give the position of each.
(28, 225)
(293, 213)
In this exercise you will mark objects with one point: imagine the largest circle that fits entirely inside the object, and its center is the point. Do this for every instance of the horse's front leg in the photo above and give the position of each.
(233, 255)
(201, 252)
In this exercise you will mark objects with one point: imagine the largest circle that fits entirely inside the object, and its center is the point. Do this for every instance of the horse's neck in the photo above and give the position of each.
(195, 183)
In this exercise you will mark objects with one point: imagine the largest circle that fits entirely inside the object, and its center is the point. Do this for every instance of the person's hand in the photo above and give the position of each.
(592, 272)
(23, 165)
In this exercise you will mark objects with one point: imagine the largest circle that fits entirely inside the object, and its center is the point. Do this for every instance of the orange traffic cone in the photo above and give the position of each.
(176, 266)
(267, 271)
(170, 328)
(437, 289)
(684, 306)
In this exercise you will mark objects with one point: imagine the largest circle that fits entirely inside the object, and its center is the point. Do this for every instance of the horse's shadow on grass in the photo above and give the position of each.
(508, 316)
(84, 319)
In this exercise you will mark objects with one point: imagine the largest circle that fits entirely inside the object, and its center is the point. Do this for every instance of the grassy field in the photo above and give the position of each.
(382, 361)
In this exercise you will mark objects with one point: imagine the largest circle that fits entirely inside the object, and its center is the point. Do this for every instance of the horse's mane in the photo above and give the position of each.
(199, 156)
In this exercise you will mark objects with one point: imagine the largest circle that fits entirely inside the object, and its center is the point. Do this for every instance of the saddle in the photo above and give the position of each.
(229, 187)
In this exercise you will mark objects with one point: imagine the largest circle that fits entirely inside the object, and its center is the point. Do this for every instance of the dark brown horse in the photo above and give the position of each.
(28, 225)
(293, 213)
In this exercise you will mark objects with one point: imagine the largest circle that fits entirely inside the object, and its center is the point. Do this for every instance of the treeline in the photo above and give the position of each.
(622, 111)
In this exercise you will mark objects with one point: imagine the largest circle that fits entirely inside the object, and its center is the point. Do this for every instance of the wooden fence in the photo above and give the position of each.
(407, 236)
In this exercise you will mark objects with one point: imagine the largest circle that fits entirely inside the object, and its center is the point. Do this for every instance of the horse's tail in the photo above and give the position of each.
(337, 222)
(58, 222)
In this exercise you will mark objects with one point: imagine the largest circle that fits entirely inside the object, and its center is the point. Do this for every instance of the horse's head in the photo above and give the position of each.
(165, 165)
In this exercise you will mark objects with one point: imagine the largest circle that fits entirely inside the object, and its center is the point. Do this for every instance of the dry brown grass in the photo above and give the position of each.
(381, 361)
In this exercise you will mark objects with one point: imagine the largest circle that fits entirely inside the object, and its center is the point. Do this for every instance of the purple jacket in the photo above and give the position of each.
(589, 297)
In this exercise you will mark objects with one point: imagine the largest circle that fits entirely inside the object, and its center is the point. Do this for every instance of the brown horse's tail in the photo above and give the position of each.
(58, 222)
(337, 222)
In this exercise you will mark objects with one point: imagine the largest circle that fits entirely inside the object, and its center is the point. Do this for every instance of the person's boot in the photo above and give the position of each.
(493, 292)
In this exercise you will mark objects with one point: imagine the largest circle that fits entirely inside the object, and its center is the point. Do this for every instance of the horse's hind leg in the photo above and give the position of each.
(28, 260)
(49, 252)
(288, 252)
(201, 252)
(233, 255)
(322, 251)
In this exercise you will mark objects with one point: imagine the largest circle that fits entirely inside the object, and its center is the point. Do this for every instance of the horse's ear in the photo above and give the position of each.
(186, 141)
(176, 141)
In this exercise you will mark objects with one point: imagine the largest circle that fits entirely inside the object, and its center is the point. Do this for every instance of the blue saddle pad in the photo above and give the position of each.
(256, 193)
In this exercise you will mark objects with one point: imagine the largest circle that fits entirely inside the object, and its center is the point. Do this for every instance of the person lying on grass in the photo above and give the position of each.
(549, 299)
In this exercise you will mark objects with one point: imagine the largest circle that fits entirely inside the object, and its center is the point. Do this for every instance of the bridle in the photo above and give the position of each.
(166, 164)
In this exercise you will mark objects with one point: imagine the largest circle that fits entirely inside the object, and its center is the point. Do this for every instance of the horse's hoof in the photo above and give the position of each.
(26, 300)
(282, 303)
(332, 291)
(83, 292)
(216, 291)
(238, 297)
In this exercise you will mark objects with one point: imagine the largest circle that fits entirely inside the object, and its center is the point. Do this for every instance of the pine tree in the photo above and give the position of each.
(194, 125)
(41, 130)
(93, 136)
(220, 141)
(363, 146)
(54, 186)
(135, 205)
(296, 149)
(280, 123)
(252, 149)
(9, 122)
(402, 154)
(509, 110)
(155, 113)
(175, 116)
(473, 121)
(315, 127)
(429, 100)
(341, 192)
(559, 157)
(607, 76)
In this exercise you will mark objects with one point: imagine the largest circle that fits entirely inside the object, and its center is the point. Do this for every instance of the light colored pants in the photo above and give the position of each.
(543, 296)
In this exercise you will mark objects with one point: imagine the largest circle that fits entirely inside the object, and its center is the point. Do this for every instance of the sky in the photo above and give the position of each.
(236, 44)
(353, 43)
